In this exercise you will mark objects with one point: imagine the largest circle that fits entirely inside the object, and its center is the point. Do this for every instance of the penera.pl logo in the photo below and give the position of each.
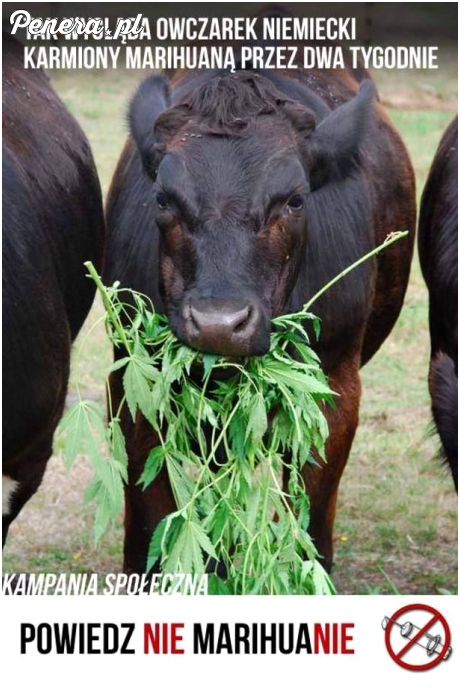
(417, 637)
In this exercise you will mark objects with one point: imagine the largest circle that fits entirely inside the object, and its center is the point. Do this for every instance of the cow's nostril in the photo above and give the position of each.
(242, 319)
(194, 317)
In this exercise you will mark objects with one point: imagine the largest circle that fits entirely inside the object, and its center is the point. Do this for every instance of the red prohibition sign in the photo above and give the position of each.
(398, 657)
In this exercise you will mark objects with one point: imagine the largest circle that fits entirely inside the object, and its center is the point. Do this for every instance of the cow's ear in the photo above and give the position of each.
(334, 144)
(148, 103)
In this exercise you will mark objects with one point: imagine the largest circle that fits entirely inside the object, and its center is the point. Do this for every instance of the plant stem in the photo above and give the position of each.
(389, 240)
(113, 316)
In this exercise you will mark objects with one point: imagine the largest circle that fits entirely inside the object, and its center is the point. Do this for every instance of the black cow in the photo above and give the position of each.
(438, 250)
(238, 197)
(52, 223)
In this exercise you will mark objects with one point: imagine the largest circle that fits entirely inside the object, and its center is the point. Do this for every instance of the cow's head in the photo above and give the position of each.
(232, 165)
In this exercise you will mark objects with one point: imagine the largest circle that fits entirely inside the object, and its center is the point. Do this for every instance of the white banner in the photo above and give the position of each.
(200, 641)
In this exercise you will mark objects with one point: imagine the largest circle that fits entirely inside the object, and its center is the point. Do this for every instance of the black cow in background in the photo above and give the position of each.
(52, 223)
(438, 249)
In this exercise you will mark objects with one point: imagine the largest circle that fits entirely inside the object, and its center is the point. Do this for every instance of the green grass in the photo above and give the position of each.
(397, 514)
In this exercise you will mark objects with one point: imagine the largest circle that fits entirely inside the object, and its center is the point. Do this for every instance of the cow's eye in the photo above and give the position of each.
(162, 201)
(295, 203)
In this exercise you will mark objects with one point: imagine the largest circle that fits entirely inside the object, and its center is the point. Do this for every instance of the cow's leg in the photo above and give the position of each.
(144, 509)
(21, 477)
(322, 482)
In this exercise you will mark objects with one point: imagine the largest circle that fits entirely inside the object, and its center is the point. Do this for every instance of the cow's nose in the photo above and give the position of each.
(223, 320)
(227, 327)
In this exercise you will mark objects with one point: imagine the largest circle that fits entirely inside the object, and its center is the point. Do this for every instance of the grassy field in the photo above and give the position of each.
(397, 515)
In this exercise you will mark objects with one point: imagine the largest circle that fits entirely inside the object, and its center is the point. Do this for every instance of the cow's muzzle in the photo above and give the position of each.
(228, 327)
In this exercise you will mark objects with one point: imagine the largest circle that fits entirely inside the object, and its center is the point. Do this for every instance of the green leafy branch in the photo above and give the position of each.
(225, 442)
